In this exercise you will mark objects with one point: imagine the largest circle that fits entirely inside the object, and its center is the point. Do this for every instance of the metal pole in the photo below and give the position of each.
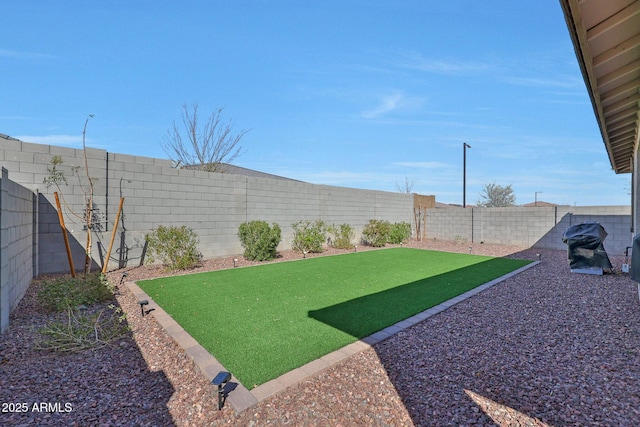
(464, 173)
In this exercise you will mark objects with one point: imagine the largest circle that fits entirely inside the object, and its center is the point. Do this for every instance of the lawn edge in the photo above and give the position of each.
(242, 398)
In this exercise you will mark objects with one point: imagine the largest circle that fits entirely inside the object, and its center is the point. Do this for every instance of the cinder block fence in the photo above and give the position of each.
(214, 205)
(18, 243)
(529, 226)
(154, 193)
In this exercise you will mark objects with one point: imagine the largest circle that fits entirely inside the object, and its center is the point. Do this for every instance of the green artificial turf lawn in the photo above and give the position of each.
(263, 321)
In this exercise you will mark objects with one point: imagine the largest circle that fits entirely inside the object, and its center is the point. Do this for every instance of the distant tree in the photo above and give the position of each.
(496, 196)
(209, 147)
(407, 187)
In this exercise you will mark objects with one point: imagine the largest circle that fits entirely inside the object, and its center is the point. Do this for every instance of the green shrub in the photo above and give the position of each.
(376, 232)
(309, 236)
(343, 235)
(177, 247)
(259, 240)
(63, 292)
(400, 232)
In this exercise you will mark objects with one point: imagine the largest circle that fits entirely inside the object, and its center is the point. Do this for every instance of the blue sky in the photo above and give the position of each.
(352, 93)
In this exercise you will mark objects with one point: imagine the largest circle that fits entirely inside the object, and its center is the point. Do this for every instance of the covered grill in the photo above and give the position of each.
(585, 248)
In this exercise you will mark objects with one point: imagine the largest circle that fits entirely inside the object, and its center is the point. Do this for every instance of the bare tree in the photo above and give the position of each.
(496, 196)
(88, 200)
(89, 216)
(407, 187)
(209, 148)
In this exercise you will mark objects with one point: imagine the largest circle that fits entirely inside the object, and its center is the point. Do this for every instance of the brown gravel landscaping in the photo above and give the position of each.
(545, 347)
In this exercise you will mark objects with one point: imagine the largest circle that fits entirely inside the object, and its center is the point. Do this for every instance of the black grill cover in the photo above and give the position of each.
(634, 271)
(585, 246)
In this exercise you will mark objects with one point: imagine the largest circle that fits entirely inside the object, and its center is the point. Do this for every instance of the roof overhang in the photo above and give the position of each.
(606, 38)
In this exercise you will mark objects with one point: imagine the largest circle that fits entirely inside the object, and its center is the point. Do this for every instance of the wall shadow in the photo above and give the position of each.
(363, 316)
(52, 252)
(615, 225)
(515, 355)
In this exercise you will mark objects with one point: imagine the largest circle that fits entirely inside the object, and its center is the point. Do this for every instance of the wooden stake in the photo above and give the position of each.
(64, 233)
(113, 236)
(424, 224)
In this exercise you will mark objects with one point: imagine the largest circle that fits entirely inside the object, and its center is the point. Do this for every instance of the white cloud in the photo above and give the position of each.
(5, 53)
(392, 102)
(14, 117)
(566, 82)
(74, 141)
(514, 73)
(335, 177)
(416, 61)
(422, 165)
(387, 104)
(341, 178)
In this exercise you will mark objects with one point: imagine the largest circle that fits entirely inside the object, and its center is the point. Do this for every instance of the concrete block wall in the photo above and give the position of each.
(344, 206)
(18, 238)
(528, 226)
(450, 224)
(616, 220)
(213, 205)
(520, 226)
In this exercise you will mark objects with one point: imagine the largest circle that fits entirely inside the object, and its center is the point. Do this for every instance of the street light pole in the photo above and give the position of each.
(464, 173)
(535, 203)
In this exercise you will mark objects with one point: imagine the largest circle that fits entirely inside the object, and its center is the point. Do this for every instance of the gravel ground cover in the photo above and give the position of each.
(546, 347)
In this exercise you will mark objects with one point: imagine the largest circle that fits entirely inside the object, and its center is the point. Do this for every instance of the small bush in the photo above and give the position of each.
(343, 235)
(177, 247)
(376, 232)
(400, 232)
(309, 236)
(259, 240)
(62, 292)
